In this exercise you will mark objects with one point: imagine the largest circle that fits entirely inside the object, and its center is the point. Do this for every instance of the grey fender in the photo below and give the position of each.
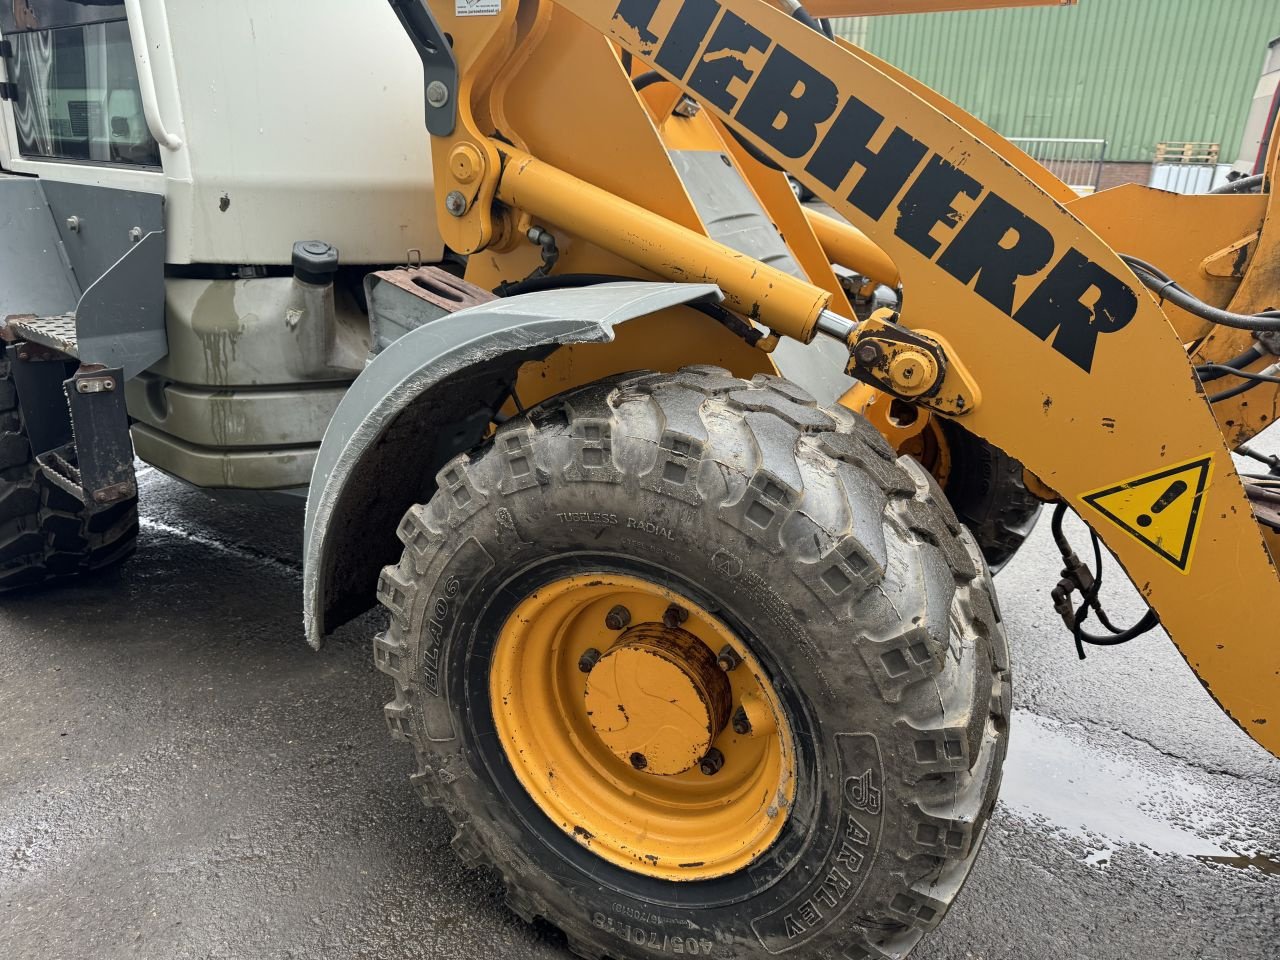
(428, 397)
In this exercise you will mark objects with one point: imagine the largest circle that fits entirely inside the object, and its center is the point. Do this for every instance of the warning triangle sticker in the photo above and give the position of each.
(1160, 510)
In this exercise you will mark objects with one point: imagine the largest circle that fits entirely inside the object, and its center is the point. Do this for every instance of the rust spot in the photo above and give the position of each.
(582, 833)
(224, 204)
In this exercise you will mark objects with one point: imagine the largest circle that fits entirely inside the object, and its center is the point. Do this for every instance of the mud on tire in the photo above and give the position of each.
(851, 580)
(45, 532)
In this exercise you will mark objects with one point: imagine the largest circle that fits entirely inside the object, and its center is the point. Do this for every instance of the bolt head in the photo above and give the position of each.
(674, 616)
(728, 659)
(741, 723)
(618, 618)
(639, 761)
(587, 662)
(455, 203)
(135, 234)
(437, 94)
(869, 353)
(712, 763)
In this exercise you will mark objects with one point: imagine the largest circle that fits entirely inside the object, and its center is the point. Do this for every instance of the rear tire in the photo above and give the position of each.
(849, 579)
(988, 491)
(45, 532)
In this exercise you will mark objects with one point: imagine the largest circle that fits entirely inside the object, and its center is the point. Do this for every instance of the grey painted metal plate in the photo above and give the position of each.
(434, 382)
(34, 276)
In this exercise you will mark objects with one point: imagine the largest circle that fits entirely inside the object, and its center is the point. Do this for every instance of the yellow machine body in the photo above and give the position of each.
(1076, 369)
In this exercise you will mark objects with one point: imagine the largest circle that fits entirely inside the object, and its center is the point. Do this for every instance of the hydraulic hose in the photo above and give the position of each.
(1168, 289)
(1243, 185)
(1214, 371)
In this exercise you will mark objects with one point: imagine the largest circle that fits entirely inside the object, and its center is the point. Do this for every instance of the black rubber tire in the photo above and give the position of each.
(989, 494)
(45, 532)
(846, 573)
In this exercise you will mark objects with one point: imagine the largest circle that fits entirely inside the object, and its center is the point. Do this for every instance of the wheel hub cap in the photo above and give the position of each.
(658, 700)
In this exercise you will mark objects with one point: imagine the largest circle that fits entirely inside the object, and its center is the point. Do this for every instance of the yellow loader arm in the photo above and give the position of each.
(1061, 356)
(866, 8)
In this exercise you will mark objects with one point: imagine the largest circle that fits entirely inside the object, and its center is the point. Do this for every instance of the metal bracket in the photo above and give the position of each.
(439, 65)
(6, 49)
(104, 450)
(909, 365)
(38, 375)
(9, 91)
(403, 300)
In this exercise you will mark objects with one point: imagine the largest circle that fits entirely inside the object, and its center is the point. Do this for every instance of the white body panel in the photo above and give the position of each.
(298, 120)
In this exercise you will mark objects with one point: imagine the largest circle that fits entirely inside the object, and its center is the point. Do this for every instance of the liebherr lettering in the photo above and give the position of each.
(785, 102)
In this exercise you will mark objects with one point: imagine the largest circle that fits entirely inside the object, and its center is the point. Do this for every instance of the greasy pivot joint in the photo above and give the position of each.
(909, 365)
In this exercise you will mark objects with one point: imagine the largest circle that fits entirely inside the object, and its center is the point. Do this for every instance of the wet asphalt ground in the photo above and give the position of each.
(182, 777)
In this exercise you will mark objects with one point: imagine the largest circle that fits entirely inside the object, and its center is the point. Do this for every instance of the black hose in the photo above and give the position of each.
(1234, 391)
(1208, 372)
(647, 79)
(1167, 289)
(1090, 601)
(1243, 185)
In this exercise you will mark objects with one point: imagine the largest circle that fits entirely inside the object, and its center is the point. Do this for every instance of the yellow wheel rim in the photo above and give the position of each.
(643, 727)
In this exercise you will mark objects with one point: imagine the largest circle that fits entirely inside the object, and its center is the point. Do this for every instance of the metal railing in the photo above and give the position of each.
(1077, 163)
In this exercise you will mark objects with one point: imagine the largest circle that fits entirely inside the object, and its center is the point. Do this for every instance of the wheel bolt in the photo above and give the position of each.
(618, 618)
(712, 763)
(674, 616)
(587, 662)
(639, 761)
(741, 723)
(728, 659)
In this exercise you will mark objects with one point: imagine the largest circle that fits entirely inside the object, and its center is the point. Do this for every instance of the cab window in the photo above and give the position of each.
(78, 96)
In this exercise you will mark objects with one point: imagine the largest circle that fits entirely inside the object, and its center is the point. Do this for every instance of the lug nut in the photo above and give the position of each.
(640, 761)
(712, 763)
(619, 618)
(674, 616)
(728, 659)
(587, 662)
(741, 723)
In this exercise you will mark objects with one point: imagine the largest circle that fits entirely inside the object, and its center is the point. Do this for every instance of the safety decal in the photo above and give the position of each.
(1161, 510)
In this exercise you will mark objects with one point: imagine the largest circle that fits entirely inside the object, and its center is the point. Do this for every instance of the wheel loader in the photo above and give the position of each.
(681, 498)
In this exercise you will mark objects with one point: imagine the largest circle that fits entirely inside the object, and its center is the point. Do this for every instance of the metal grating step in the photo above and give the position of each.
(58, 333)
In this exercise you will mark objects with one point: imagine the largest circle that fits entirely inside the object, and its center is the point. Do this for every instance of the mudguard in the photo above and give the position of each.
(428, 397)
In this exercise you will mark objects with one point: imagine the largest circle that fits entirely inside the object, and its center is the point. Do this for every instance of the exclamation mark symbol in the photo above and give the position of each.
(1167, 499)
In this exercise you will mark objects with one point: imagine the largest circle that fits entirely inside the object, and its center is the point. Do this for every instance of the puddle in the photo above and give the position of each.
(1106, 801)
(1265, 864)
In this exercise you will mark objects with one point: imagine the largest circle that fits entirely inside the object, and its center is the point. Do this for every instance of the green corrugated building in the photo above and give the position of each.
(1133, 72)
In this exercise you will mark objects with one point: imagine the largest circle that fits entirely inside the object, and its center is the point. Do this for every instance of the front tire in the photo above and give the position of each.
(861, 603)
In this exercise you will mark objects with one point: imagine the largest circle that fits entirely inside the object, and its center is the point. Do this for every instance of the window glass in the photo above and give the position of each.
(78, 96)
